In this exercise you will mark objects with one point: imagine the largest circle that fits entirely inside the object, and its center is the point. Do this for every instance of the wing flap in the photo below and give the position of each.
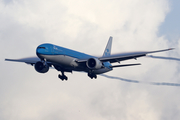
(119, 58)
(125, 65)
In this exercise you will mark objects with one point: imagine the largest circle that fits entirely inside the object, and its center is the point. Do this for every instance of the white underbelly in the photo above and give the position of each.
(61, 60)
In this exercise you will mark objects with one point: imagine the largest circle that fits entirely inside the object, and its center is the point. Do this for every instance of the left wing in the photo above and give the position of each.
(127, 56)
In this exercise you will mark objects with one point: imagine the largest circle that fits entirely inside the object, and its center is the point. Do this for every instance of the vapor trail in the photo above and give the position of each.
(136, 81)
(160, 57)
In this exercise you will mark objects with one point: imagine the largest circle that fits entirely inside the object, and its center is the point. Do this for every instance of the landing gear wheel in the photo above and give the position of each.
(63, 77)
(91, 75)
(95, 76)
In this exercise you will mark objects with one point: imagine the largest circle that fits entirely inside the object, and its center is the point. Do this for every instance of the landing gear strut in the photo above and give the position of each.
(92, 75)
(63, 77)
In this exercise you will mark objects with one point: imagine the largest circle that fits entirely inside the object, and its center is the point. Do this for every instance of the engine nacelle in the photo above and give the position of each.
(94, 63)
(41, 67)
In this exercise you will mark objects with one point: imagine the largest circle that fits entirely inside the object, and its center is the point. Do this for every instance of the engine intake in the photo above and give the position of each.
(41, 67)
(94, 63)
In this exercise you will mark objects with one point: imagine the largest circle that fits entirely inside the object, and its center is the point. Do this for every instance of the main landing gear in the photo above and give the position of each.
(92, 75)
(63, 77)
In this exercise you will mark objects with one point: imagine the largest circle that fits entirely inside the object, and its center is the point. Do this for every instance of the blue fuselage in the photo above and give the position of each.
(66, 58)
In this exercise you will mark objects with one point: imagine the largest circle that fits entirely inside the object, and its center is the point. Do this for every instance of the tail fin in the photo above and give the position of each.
(107, 51)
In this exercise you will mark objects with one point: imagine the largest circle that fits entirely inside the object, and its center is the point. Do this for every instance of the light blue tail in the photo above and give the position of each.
(107, 51)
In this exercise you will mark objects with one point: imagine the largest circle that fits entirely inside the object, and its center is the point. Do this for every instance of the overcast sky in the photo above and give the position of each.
(85, 25)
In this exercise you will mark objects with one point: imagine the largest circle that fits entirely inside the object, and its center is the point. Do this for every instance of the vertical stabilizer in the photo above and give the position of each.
(107, 51)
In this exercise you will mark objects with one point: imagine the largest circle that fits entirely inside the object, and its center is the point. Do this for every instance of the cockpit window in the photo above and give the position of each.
(41, 47)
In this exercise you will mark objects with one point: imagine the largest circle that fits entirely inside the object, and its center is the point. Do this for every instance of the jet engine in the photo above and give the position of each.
(41, 67)
(94, 63)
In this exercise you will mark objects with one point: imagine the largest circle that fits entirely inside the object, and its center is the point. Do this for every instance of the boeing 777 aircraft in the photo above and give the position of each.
(66, 60)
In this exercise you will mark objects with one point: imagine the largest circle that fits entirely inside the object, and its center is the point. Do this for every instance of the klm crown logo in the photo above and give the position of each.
(107, 53)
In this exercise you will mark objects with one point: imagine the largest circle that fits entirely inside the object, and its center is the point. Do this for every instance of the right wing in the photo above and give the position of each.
(29, 60)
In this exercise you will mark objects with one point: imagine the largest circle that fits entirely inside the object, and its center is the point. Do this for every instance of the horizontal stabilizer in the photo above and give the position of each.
(125, 65)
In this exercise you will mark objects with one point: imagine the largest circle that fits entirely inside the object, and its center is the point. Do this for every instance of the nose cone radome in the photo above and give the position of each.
(44, 49)
(40, 50)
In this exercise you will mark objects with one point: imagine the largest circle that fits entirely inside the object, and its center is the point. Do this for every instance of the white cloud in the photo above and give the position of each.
(85, 26)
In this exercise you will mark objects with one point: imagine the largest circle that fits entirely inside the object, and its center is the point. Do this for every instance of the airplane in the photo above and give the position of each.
(67, 60)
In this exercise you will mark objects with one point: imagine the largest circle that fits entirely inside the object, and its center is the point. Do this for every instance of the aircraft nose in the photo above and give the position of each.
(44, 49)
(37, 51)
(40, 50)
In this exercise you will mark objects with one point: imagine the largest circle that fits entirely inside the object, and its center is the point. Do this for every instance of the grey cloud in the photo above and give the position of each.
(13, 34)
(7, 1)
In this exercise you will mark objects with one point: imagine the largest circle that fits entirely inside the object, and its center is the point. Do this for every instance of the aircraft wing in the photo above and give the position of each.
(127, 56)
(29, 60)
